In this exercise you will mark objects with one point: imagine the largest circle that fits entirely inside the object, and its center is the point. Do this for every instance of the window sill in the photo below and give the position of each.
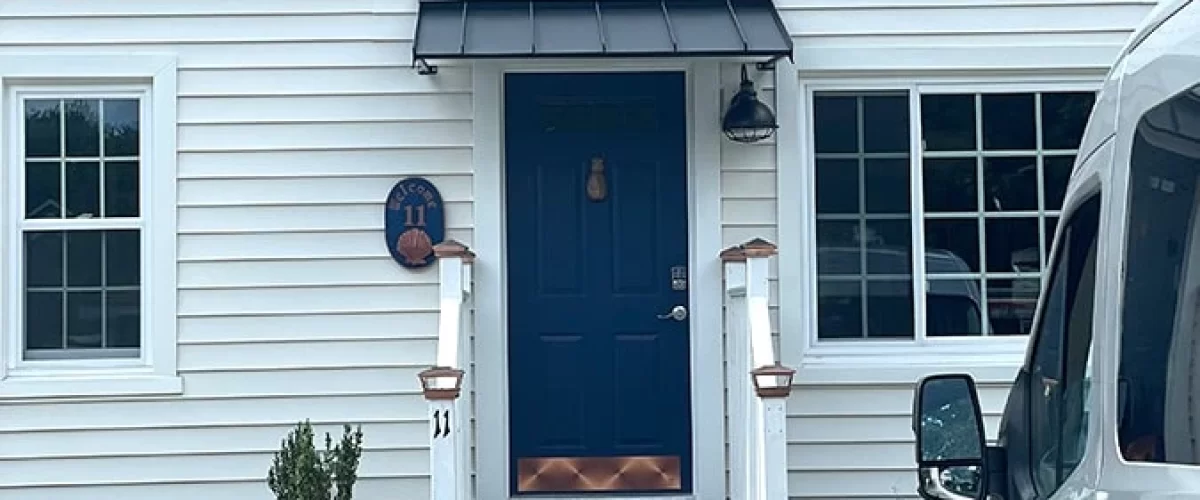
(987, 362)
(874, 374)
(33, 386)
(940, 349)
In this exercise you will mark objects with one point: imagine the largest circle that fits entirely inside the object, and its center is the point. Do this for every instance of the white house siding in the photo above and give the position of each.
(956, 35)
(849, 429)
(296, 117)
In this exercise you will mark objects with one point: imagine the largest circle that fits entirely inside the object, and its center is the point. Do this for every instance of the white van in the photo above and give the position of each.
(1107, 402)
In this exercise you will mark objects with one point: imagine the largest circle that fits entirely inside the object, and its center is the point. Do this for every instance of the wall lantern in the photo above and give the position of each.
(441, 382)
(774, 381)
(748, 119)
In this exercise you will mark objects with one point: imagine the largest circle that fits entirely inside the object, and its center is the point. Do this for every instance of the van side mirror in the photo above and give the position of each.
(950, 439)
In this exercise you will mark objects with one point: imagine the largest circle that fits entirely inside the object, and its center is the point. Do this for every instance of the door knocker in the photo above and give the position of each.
(597, 188)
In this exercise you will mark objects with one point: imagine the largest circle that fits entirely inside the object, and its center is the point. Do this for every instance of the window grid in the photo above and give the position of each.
(982, 215)
(103, 206)
(1039, 162)
(861, 147)
(980, 220)
(63, 159)
(102, 223)
(863, 217)
(104, 289)
(81, 159)
(995, 153)
(1041, 214)
(1013, 214)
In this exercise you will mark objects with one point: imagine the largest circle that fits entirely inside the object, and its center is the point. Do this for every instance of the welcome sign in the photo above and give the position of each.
(414, 221)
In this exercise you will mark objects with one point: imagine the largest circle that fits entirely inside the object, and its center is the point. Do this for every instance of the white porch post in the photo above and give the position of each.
(737, 356)
(758, 384)
(443, 452)
(772, 382)
(774, 422)
(442, 384)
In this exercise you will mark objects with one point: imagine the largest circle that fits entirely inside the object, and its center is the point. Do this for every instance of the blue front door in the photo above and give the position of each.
(597, 228)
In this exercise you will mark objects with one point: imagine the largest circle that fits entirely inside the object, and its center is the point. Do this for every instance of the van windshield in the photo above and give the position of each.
(1159, 379)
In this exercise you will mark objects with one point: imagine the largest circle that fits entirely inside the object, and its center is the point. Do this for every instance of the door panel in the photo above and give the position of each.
(599, 385)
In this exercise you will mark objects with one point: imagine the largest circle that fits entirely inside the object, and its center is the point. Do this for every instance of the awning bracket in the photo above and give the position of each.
(423, 67)
(769, 64)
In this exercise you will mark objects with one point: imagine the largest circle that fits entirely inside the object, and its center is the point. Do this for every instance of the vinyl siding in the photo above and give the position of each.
(849, 430)
(295, 118)
(855, 440)
(952, 35)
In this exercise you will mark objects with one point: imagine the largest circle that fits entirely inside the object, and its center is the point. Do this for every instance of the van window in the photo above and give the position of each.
(1159, 378)
(1057, 381)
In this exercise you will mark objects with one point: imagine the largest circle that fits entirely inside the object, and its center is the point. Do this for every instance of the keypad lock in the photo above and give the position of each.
(679, 278)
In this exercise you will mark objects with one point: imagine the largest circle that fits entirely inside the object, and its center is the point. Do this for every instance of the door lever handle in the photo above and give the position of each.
(678, 313)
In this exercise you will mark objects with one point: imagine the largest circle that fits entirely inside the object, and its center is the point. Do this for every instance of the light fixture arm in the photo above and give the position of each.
(746, 84)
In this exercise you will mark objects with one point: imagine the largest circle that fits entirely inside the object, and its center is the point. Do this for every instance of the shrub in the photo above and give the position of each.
(300, 472)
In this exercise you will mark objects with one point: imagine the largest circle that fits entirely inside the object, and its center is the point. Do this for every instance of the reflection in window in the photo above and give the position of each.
(994, 174)
(1159, 378)
(82, 283)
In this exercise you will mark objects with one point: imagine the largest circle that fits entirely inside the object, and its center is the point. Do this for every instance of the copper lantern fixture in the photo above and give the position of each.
(772, 381)
(441, 382)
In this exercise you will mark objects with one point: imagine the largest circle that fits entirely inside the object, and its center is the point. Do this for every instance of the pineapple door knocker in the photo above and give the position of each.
(597, 188)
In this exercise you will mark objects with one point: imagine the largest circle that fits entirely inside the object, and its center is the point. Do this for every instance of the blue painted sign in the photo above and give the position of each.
(414, 221)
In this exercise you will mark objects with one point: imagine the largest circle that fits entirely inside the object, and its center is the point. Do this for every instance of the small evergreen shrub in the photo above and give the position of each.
(300, 472)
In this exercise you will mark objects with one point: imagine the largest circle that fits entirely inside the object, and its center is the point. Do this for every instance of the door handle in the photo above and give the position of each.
(678, 313)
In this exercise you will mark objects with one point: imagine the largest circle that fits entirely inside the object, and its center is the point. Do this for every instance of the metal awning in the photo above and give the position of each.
(459, 29)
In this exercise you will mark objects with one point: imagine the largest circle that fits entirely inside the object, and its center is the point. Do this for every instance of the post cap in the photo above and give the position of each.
(454, 248)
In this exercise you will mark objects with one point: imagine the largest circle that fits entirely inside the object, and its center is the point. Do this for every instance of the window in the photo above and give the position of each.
(992, 170)
(89, 232)
(1158, 379)
(864, 233)
(82, 226)
(1057, 380)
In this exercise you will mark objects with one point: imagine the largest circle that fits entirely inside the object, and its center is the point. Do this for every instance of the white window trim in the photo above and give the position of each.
(155, 371)
(797, 217)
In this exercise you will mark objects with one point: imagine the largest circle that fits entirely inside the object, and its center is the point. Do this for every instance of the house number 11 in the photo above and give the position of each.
(408, 215)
